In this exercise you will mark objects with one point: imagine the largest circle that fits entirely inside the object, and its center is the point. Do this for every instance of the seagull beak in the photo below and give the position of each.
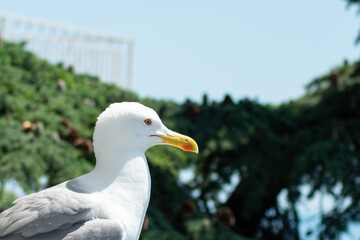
(178, 140)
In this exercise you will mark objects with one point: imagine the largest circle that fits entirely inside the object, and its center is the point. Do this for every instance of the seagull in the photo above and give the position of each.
(109, 202)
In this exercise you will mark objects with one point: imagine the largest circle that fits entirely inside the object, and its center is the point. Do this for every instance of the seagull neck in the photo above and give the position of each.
(111, 163)
(112, 167)
(124, 179)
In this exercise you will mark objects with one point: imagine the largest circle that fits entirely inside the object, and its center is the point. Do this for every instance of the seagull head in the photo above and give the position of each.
(135, 126)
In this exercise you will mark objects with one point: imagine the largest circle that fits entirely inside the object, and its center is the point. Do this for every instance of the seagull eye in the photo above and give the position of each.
(147, 121)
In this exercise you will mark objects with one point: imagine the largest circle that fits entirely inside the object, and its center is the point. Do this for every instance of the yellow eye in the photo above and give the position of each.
(147, 121)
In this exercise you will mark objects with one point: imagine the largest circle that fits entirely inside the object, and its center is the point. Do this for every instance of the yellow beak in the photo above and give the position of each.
(181, 141)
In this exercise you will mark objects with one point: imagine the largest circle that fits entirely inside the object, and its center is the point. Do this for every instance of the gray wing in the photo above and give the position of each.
(97, 229)
(45, 211)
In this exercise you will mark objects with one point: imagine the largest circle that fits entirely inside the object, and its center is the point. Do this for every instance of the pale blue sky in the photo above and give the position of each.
(261, 49)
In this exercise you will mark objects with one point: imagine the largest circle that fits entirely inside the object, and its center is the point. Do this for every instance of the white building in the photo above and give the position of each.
(107, 55)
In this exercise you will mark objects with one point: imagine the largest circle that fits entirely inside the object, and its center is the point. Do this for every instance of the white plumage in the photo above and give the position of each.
(110, 202)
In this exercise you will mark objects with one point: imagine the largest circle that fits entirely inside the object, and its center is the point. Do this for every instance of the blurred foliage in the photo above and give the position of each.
(47, 115)
(312, 141)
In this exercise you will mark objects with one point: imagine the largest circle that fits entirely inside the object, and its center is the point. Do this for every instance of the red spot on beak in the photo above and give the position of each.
(187, 147)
